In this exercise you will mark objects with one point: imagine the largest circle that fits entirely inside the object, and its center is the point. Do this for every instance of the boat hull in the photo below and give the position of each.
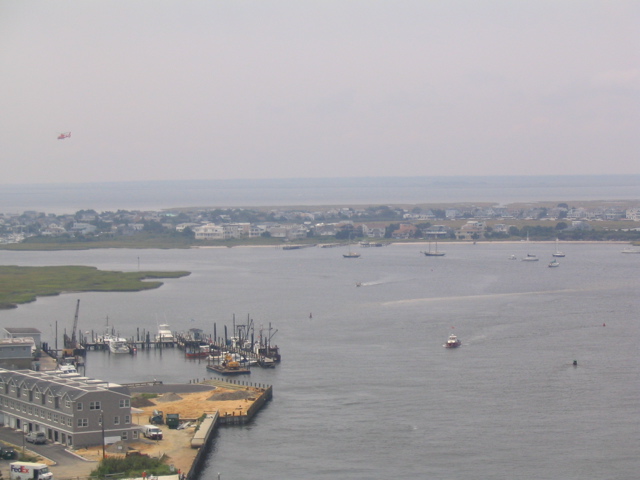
(222, 370)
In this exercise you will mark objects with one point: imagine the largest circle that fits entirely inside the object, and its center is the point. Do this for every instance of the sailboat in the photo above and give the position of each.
(351, 254)
(435, 253)
(558, 252)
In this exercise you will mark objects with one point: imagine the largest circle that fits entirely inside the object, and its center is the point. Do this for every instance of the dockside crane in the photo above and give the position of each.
(71, 344)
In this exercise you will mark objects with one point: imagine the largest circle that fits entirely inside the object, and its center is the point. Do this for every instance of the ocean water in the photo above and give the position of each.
(365, 389)
(69, 198)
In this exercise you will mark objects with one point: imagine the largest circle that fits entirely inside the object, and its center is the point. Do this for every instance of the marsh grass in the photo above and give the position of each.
(24, 284)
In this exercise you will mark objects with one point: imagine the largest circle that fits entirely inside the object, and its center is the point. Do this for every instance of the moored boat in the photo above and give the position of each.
(554, 263)
(165, 335)
(530, 258)
(116, 344)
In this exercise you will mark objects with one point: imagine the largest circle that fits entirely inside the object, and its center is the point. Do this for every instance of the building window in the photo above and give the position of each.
(116, 420)
(83, 422)
(125, 403)
(55, 418)
(49, 416)
(134, 434)
(67, 403)
(37, 395)
(30, 410)
(127, 419)
(94, 406)
(125, 435)
(79, 405)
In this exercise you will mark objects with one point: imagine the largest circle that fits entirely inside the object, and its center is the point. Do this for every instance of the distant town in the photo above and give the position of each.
(607, 221)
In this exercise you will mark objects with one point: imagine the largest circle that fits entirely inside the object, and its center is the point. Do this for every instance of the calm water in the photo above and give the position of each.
(69, 198)
(365, 389)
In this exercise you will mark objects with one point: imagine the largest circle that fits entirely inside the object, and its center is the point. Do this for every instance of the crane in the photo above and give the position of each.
(71, 343)
(74, 340)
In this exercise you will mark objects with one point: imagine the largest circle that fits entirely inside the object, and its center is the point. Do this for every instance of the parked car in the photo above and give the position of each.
(36, 437)
(7, 453)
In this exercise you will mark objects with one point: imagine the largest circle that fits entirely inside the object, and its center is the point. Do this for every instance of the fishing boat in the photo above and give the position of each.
(452, 342)
(266, 362)
(554, 263)
(557, 253)
(434, 253)
(201, 350)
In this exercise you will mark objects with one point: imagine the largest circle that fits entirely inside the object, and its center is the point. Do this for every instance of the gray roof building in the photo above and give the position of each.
(73, 410)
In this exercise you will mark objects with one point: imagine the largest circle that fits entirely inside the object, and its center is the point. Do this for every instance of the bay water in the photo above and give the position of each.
(365, 389)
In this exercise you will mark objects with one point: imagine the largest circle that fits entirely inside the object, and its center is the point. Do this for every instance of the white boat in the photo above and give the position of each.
(530, 258)
(554, 263)
(116, 344)
(351, 254)
(630, 250)
(65, 369)
(558, 253)
(453, 342)
(165, 335)
(513, 257)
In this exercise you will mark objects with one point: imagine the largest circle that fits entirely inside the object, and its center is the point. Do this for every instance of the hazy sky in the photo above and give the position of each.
(155, 90)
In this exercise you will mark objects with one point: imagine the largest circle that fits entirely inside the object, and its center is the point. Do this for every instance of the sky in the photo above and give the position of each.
(186, 89)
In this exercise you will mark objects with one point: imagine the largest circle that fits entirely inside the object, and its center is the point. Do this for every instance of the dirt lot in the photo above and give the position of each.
(176, 444)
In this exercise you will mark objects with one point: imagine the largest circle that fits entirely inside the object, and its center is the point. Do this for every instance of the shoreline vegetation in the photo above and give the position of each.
(19, 284)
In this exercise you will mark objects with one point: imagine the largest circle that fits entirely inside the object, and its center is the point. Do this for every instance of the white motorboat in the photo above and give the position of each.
(554, 263)
(452, 342)
(165, 335)
(530, 258)
(116, 344)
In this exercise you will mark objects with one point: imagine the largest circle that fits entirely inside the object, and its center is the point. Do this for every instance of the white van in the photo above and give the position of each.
(29, 471)
(152, 432)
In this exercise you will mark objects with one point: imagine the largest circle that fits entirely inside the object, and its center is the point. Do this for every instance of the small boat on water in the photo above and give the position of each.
(201, 350)
(630, 250)
(557, 253)
(165, 335)
(530, 258)
(351, 254)
(513, 257)
(452, 342)
(554, 263)
(435, 252)
(65, 369)
(116, 344)
(266, 362)
(228, 367)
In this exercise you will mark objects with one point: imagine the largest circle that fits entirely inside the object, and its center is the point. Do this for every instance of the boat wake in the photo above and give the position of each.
(410, 301)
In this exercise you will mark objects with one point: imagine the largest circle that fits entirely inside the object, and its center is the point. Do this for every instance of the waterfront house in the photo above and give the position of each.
(16, 353)
(72, 410)
(23, 332)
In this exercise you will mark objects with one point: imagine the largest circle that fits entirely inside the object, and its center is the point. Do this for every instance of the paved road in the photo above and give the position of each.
(66, 464)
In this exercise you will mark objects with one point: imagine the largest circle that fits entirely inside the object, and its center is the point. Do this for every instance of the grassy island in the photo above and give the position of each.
(24, 284)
